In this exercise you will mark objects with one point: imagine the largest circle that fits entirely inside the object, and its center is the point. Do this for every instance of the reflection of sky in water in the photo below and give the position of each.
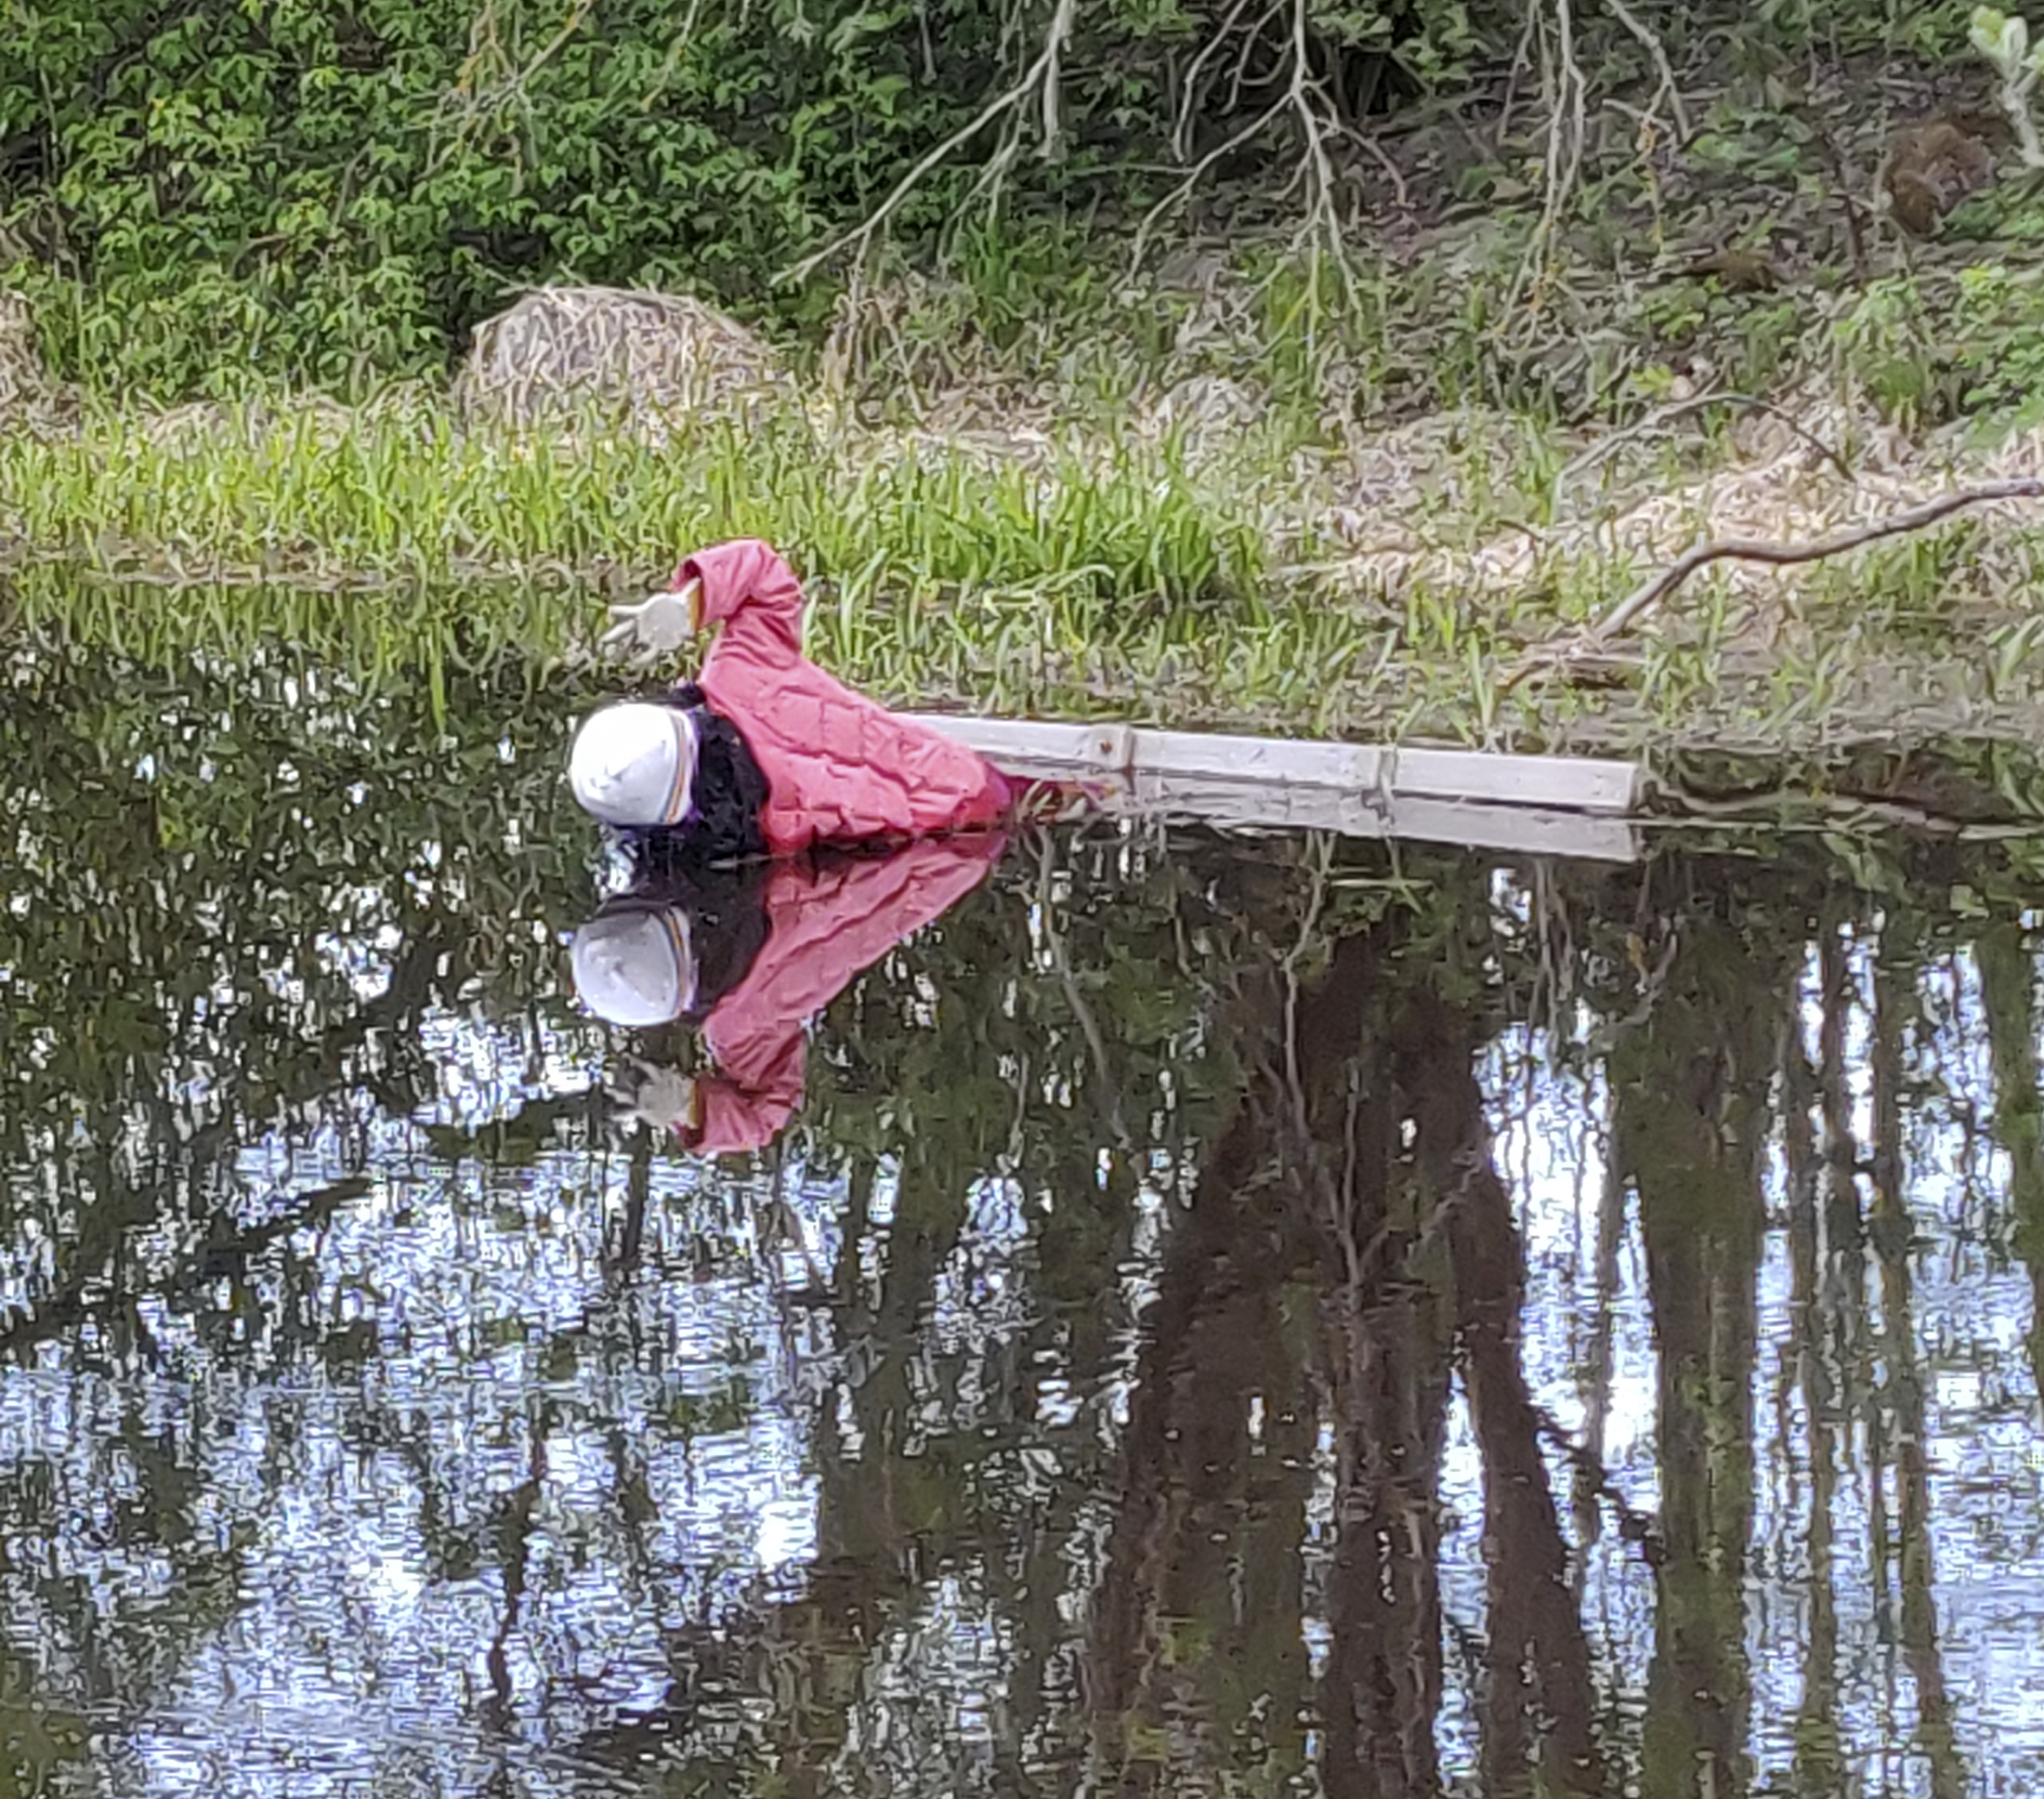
(355, 1513)
(1970, 1309)
(454, 1363)
(493, 1315)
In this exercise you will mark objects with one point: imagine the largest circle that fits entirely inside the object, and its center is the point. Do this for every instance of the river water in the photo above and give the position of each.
(1197, 1315)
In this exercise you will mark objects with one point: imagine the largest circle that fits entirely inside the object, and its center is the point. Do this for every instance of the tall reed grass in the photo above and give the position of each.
(402, 494)
(1104, 573)
(1101, 574)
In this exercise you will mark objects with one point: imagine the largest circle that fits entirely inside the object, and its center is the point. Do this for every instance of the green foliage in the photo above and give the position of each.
(199, 194)
(1979, 353)
(1998, 339)
(198, 197)
(2005, 42)
(399, 495)
(318, 192)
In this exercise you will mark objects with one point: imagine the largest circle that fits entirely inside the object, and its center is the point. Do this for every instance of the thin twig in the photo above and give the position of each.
(1042, 73)
(1192, 176)
(1181, 130)
(1369, 143)
(1320, 212)
(1054, 50)
(1239, 82)
(1653, 48)
(1667, 415)
(1650, 593)
(1564, 87)
(1513, 74)
(1315, 169)
(1841, 186)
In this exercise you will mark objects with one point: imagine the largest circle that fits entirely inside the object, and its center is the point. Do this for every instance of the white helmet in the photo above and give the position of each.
(634, 763)
(635, 966)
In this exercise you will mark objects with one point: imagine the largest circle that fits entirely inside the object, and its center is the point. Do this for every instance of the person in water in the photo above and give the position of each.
(747, 953)
(763, 752)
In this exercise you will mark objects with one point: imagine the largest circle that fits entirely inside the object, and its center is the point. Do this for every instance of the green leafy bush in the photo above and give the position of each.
(201, 193)
(318, 192)
(206, 195)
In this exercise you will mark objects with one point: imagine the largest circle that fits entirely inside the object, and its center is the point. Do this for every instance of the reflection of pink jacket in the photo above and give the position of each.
(826, 929)
(838, 767)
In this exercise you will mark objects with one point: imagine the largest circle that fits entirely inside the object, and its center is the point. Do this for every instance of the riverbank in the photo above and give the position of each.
(1166, 577)
(1253, 494)
(1343, 457)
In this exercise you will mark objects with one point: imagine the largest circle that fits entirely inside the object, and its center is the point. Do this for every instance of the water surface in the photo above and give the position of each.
(1223, 1316)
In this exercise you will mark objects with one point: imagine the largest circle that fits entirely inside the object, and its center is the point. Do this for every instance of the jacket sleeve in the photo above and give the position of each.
(738, 1116)
(828, 927)
(748, 588)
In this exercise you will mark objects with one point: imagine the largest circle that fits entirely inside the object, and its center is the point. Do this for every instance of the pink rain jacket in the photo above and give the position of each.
(826, 928)
(838, 767)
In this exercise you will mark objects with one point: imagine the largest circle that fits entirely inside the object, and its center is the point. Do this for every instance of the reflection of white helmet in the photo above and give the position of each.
(635, 967)
(634, 763)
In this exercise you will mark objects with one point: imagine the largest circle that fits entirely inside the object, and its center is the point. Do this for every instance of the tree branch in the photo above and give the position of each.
(1040, 75)
(1667, 415)
(1652, 591)
(1655, 49)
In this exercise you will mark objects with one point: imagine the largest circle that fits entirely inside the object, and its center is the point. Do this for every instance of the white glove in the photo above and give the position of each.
(663, 1098)
(657, 625)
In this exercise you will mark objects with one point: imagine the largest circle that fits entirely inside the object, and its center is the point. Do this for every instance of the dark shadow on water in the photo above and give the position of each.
(1208, 1316)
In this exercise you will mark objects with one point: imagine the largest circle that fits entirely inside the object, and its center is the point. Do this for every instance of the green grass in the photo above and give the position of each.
(1091, 565)
(1100, 575)
(399, 494)
(1096, 575)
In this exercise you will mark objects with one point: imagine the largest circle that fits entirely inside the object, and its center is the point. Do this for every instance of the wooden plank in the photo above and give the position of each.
(1347, 765)
(1546, 783)
(1042, 745)
(1579, 784)
(1260, 804)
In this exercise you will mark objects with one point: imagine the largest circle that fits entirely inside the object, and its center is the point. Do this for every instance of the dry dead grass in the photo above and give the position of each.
(643, 361)
(30, 396)
(1780, 488)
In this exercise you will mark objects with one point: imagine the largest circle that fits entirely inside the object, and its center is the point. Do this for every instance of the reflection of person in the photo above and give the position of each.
(765, 753)
(751, 954)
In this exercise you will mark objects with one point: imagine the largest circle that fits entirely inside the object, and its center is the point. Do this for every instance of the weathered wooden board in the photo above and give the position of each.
(1377, 778)
(1107, 749)
(1274, 805)
(1568, 782)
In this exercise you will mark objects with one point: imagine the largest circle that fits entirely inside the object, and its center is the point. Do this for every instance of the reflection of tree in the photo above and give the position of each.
(1228, 1103)
(1539, 1706)
(1890, 1231)
(1217, 1435)
(37, 1743)
(1817, 1753)
(1387, 1358)
(207, 907)
(1691, 1085)
(1359, 1155)
(1021, 1085)
(192, 862)
(2008, 990)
